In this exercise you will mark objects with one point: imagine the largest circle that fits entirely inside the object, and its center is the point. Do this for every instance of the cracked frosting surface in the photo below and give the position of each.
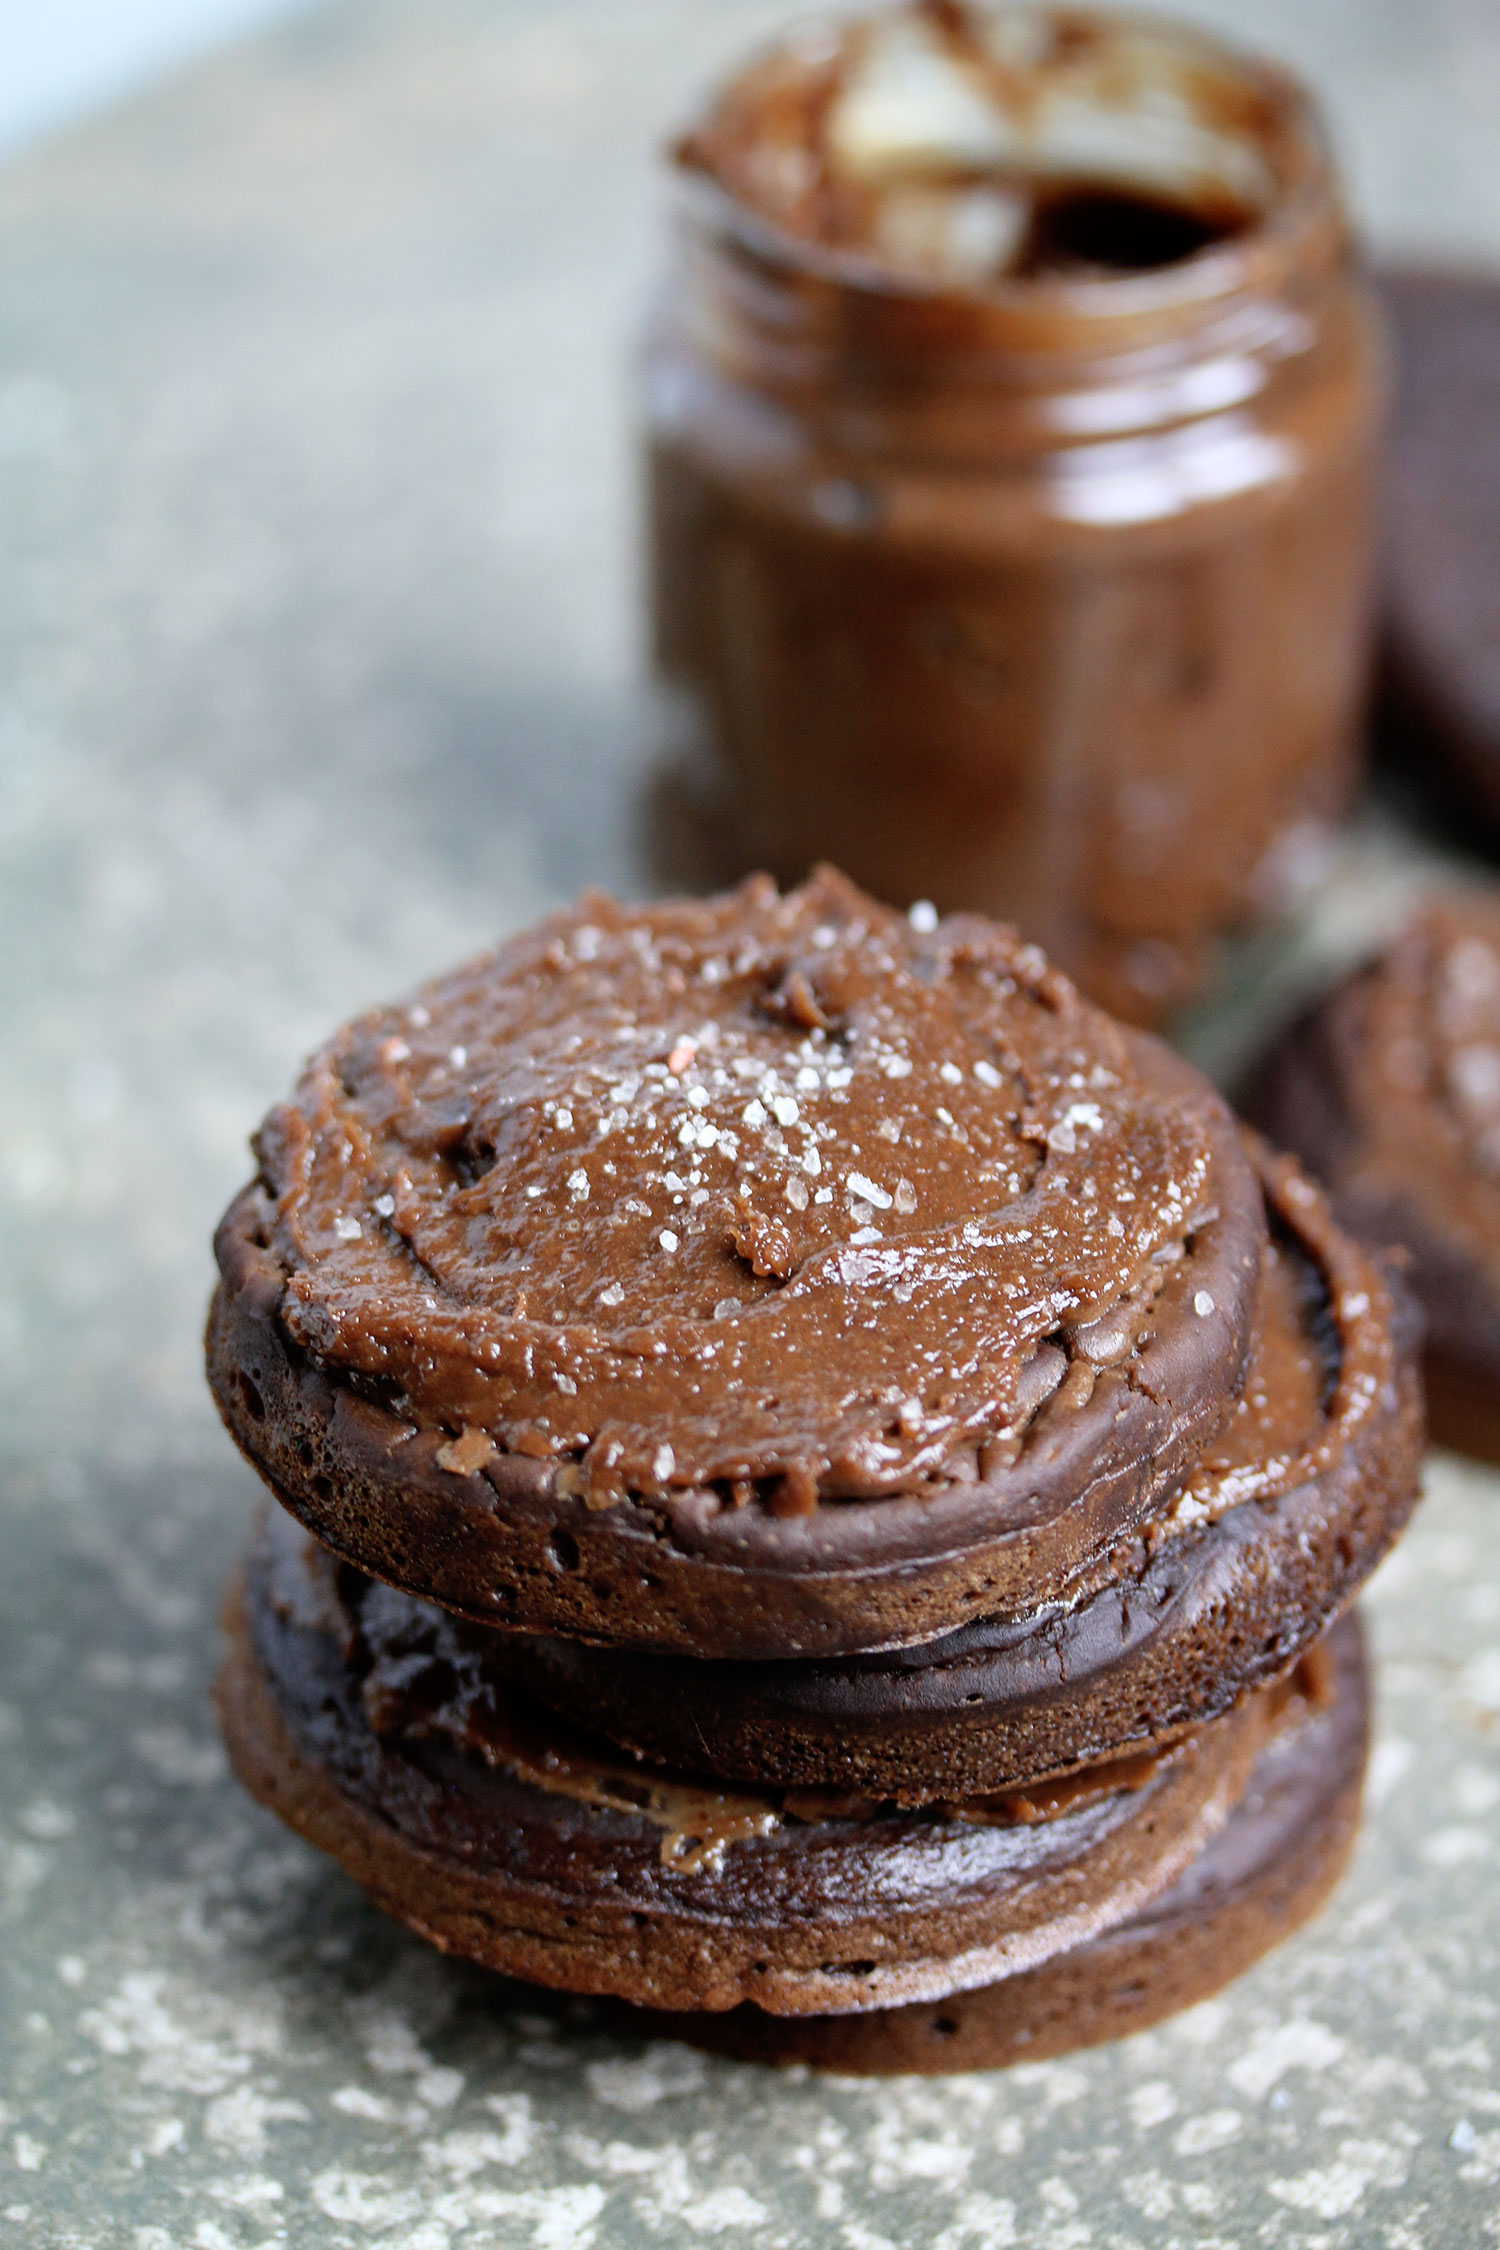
(782, 1190)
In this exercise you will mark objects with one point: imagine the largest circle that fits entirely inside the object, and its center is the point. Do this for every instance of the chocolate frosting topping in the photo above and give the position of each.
(761, 1188)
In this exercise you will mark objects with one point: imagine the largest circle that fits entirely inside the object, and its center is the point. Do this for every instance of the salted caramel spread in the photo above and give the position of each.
(790, 1189)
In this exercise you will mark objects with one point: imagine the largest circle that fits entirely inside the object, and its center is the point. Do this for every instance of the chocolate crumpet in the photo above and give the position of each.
(1269, 1869)
(359, 1717)
(1389, 1088)
(816, 1481)
(755, 1277)
(1288, 1510)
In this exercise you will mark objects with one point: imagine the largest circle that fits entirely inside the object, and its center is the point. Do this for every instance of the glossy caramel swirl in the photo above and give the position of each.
(789, 1188)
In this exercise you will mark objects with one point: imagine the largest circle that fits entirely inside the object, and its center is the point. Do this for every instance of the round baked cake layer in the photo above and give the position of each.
(751, 1275)
(1389, 1089)
(504, 1836)
(1288, 1511)
(1267, 1872)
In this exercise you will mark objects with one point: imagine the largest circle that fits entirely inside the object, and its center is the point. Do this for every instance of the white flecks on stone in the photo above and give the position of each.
(1215, 2128)
(189, 1761)
(1152, 2104)
(1299, 2045)
(238, 2120)
(664, 2072)
(1332, 2191)
(47, 1820)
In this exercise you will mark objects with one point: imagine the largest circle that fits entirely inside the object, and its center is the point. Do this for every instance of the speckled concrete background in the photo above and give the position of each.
(317, 664)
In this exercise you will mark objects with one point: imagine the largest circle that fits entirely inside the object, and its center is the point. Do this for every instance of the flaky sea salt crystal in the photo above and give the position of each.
(922, 915)
(347, 1229)
(611, 1294)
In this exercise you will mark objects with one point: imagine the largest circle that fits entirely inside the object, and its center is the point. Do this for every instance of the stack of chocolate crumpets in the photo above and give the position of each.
(818, 1484)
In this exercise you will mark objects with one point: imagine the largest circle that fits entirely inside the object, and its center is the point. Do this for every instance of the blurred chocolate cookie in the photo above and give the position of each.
(1389, 1089)
(1442, 541)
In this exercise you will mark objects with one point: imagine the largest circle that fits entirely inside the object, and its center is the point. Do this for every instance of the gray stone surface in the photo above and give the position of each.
(317, 665)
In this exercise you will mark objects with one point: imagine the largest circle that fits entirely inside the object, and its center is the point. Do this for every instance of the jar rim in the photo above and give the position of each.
(1301, 230)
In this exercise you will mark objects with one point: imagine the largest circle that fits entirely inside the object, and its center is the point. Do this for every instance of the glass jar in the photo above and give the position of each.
(1044, 592)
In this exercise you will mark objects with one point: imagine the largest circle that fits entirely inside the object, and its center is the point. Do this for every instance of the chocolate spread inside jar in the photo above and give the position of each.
(1012, 414)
